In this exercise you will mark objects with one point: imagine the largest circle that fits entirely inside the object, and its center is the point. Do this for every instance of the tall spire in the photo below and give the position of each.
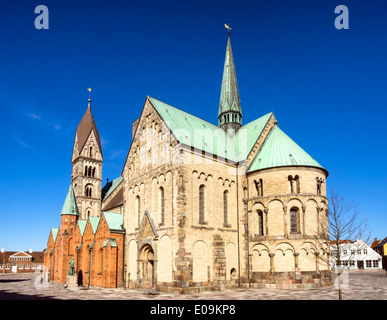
(230, 112)
(85, 127)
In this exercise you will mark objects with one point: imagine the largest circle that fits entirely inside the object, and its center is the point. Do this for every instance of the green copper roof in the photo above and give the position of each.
(113, 243)
(247, 136)
(82, 226)
(115, 221)
(94, 221)
(203, 135)
(279, 150)
(195, 132)
(112, 186)
(229, 95)
(70, 204)
(54, 232)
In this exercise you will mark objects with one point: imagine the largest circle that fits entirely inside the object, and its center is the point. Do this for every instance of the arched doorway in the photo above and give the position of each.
(147, 268)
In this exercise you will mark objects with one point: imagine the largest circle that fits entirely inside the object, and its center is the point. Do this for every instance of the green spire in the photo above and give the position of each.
(230, 112)
(70, 204)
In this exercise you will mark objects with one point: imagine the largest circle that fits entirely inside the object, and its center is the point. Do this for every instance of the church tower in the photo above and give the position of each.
(87, 167)
(230, 112)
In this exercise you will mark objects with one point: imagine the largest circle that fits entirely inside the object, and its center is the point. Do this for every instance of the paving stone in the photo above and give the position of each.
(362, 285)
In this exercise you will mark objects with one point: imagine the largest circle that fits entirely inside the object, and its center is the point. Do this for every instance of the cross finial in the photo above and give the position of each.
(89, 89)
(107, 180)
(227, 26)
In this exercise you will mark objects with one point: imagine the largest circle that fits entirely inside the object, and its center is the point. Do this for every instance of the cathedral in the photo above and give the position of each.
(197, 207)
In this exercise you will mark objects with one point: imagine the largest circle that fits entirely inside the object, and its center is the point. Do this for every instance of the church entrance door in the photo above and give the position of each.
(147, 269)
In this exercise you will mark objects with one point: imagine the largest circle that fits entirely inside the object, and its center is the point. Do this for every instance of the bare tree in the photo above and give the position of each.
(345, 226)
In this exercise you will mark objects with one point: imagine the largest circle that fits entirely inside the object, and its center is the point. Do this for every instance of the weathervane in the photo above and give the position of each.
(89, 89)
(227, 27)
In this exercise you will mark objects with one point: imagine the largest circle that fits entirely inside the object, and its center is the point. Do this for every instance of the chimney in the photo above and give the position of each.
(30, 251)
(135, 124)
(2, 250)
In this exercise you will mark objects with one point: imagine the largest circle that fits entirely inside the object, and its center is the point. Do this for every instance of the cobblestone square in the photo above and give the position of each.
(360, 285)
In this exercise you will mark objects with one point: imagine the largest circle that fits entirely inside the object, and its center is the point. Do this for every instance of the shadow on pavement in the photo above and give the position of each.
(5, 295)
(13, 280)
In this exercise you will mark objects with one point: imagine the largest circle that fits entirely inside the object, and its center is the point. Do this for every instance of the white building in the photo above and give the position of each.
(355, 255)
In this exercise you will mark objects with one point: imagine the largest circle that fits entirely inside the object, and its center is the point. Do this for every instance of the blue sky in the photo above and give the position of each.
(326, 87)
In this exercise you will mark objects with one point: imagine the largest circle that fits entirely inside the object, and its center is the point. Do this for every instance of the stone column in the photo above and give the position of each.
(266, 210)
(303, 219)
(285, 222)
(296, 261)
(219, 263)
(272, 269)
(317, 261)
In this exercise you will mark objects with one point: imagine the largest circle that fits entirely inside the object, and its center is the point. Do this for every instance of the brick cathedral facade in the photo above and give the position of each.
(197, 206)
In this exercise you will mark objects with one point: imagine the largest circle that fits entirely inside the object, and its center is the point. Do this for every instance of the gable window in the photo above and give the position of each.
(201, 203)
(294, 220)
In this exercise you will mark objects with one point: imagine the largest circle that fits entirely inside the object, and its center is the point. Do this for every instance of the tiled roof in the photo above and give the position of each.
(381, 243)
(84, 129)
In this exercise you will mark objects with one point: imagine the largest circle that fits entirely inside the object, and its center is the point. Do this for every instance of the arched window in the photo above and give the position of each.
(294, 184)
(93, 172)
(201, 203)
(162, 206)
(260, 222)
(88, 190)
(225, 207)
(294, 220)
(101, 256)
(91, 151)
(259, 187)
(89, 172)
(86, 171)
(138, 210)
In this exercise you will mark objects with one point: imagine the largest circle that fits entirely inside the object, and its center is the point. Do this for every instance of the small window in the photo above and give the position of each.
(225, 207)
(260, 222)
(294, 220)
(201, 203)
(162, 205)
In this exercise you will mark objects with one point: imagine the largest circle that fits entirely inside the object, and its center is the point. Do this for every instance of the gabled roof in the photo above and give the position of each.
(278, 150)
(115, 221)
(381, 243)
(94, 221)
(110, 187)
(247, 136)
(113, 243)
(70, 205)
(54, 232)
(85, 127)
(82, 226)
(202, 135)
